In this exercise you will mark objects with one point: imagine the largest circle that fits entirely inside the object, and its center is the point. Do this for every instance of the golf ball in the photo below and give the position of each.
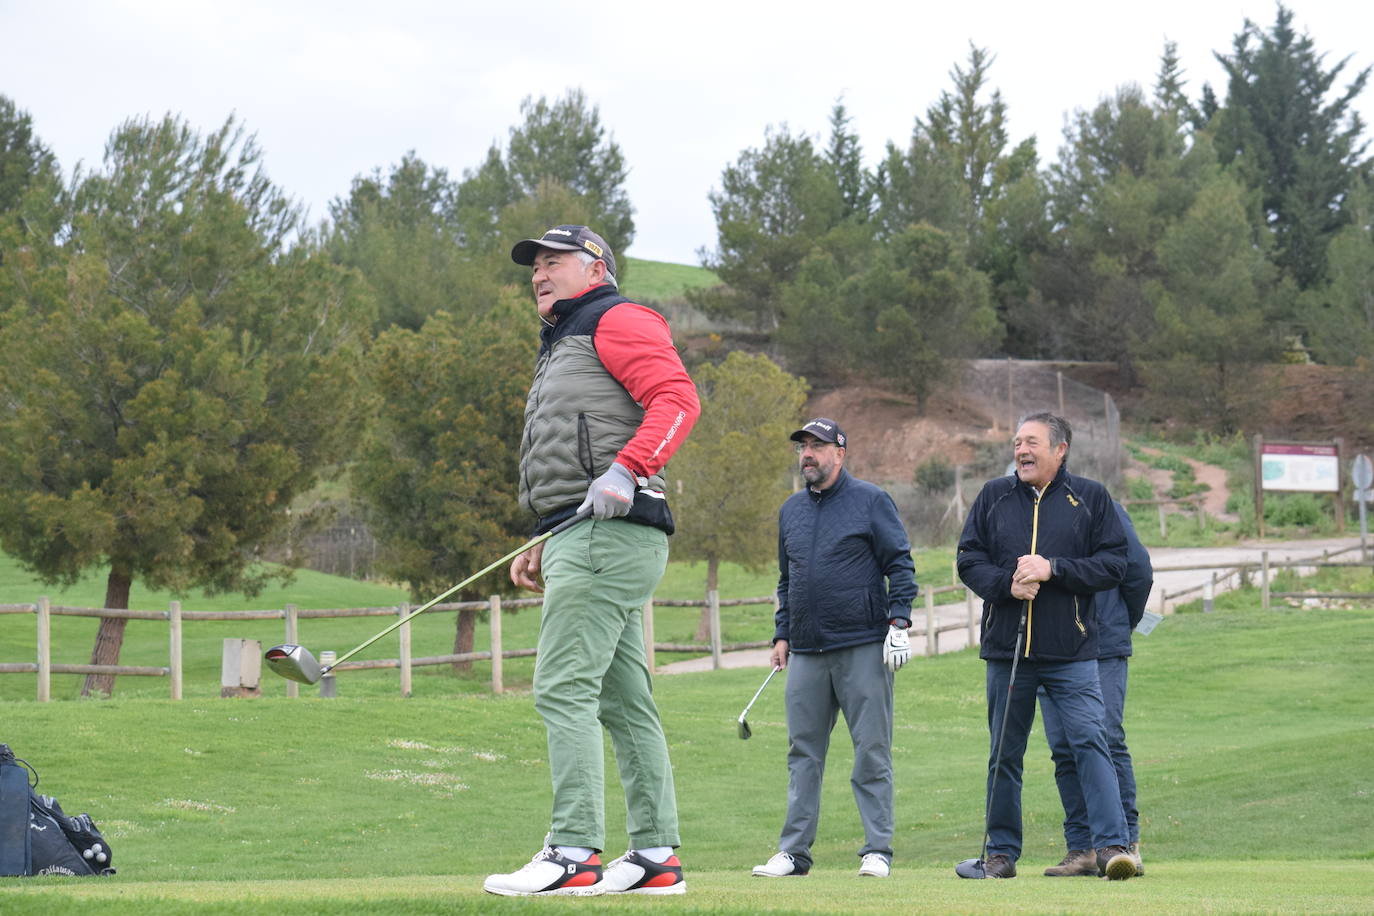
(88, 853)
(97, 848)
(101, 857)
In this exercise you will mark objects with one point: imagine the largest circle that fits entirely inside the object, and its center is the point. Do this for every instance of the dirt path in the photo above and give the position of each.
(1214, 498)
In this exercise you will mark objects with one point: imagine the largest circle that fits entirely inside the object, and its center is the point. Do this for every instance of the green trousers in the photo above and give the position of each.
(591, 671)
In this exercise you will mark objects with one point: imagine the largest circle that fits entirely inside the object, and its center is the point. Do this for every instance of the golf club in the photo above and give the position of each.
(296, 663)
(744, 730)
(975, 868)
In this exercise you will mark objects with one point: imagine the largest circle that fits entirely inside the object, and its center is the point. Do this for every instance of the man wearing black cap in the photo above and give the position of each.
(845, 586)
(609, 405)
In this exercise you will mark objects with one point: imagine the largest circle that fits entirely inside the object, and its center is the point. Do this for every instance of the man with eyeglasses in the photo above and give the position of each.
(845, 586)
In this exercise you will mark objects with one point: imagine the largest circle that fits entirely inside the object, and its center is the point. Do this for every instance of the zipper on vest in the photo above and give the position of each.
(584, 447)
(1035, 536)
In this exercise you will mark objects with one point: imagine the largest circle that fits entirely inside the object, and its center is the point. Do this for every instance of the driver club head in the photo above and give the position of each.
(295, 663)
(744, 731)
(971, 868)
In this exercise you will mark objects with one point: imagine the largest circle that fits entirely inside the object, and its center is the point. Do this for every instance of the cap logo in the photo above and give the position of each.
(593, 248)
(557, 232)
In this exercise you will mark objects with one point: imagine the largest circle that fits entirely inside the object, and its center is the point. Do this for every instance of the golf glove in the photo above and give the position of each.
(896, 648)
(611, 494)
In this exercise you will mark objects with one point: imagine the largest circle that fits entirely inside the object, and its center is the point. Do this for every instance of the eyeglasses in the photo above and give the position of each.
(815, 446)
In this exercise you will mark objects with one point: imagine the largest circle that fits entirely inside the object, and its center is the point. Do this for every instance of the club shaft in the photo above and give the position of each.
(1001, 732)
(759, 692)
(532, 542)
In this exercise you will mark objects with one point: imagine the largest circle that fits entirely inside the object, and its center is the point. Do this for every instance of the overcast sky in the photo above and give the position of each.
(335, 89)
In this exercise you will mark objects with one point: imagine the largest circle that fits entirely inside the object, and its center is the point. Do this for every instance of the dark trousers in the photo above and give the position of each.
(1074, 689)
(1111, 675)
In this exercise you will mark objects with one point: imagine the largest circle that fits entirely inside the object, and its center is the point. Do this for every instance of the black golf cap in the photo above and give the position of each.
(565, 238)
(824, 429)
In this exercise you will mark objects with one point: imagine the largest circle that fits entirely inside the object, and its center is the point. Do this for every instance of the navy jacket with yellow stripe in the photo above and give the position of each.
(1074, 525)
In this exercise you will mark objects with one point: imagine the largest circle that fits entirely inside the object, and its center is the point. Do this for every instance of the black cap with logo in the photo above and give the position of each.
(565, 238)
(824, 429)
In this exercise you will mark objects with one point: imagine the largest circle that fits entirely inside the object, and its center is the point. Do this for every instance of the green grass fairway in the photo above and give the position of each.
(1252, 733)
(1211, 887)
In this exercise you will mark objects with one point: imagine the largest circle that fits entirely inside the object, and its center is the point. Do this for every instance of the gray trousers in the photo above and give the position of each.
(819, 687)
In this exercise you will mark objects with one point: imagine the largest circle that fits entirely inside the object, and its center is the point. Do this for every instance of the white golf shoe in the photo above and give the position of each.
(632, 873)
(874, 866)
(781, 865)
(549, 873)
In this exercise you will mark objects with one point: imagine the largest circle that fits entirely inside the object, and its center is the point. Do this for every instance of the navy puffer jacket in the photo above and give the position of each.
(1120, 609)
(835, 549)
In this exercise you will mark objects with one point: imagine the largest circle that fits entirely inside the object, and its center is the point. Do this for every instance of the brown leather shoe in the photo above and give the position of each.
(1134, 850)
(999, 867)
(1115, 863)
(1077, 862)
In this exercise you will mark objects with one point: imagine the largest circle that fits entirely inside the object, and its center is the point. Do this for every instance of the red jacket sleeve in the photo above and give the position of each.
(636, 347)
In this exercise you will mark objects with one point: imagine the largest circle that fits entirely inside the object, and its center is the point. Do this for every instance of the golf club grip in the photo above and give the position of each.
(532, 542)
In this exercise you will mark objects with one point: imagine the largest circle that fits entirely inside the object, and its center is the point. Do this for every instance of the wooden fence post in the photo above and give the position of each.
(497, 669)
(968, 608)
(649, 634)
(174, 651)
(292, 688)
(931, 636)
(44, 650)
(713, 603)
(404, 633)
(1163, 529)
(1264, 580)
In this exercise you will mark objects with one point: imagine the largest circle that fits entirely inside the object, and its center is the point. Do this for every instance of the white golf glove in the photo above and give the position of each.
(896, 648)
(611, 494)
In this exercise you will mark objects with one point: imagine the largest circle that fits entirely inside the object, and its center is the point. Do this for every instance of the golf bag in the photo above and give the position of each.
(37, 837)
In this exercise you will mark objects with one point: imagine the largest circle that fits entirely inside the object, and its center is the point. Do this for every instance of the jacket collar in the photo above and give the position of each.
(831, 490)
(565, 307)
(1060, 477)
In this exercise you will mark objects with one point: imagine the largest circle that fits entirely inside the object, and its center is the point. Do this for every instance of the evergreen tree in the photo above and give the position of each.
(399, 230)
(775, 206)
(1338, 314)
(728, 510)
(560, 143)
(24, 159)
(1294, 136)
(175, 372)
(438, 470)
(1214, 307)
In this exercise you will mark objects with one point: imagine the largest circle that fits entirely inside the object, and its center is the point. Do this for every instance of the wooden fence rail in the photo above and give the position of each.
(927, 625)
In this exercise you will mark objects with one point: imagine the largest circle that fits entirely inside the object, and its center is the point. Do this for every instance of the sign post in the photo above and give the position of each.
(1362, 475)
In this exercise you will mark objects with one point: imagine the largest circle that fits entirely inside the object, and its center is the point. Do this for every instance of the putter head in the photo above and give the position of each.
(744, 731)
(970, 868)
(295, 663)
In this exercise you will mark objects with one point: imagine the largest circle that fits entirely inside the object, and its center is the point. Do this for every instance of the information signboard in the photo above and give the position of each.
(1300, 467)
